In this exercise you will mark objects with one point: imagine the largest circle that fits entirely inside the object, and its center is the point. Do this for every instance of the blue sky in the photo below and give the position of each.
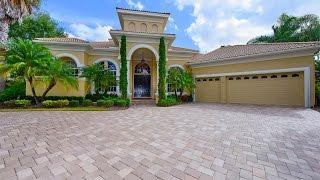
(198, 24)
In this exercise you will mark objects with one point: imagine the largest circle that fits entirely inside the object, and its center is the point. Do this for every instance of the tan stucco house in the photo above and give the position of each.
(271, 74)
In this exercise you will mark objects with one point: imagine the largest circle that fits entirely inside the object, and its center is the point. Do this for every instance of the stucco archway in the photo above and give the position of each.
(139, 46)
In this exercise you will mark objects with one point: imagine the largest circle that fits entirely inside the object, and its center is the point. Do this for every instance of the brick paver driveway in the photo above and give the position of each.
(195, 141)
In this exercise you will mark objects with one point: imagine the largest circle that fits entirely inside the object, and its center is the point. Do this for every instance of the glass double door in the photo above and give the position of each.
(142, 86)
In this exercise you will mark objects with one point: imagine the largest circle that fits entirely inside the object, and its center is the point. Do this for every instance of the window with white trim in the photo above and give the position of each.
(72, 64)
(111, 67)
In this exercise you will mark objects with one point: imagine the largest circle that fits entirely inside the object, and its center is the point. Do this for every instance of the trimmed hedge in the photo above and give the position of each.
(55, 104)
(120, 102)
(96, 97)
(162, 69)
(56, 98)
(124, 69)
(74, 103)
(87, 102)
(105, 103)
(167, 102)
(23, 103)
(17, 103)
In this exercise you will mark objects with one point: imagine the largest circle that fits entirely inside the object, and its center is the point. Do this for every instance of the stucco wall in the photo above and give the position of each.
(59, 89)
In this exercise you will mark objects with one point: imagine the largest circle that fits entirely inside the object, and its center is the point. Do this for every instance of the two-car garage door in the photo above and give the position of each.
(271, 89)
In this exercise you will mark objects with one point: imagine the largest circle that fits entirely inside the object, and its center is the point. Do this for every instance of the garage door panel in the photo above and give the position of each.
(208, 90)
(267, 89)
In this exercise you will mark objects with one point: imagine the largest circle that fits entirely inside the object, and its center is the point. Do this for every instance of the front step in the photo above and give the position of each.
(136, 102)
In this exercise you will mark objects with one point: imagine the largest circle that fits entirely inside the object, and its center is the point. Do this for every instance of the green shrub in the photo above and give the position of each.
(105, 103)
(49, 103)
(23, 103)
(56, 98)
(167, 102)
(87, 102)
(62, 103)
(55, 104)
(128, 101)
(120, 102)
(10, 104)
(74, 103)
(13, 91)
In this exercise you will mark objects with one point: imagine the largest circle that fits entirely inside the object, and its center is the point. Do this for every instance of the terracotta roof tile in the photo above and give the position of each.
(174, 48)
(154, 12)
(231, 52)
(75, 40)
(102, 44)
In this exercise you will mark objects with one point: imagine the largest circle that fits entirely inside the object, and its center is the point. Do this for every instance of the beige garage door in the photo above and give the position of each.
(208, 90)
(271, 89)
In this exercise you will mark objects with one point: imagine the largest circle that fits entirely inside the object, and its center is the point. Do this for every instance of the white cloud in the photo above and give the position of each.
(136, 5)
(218, 22)
(173, 24)
(97, 33)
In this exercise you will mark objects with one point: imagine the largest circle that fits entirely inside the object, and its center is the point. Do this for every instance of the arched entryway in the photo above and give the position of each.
(142, 80)
(144, 73)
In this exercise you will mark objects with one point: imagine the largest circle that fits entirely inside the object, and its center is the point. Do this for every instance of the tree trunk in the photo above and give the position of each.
(181, 92)
(176, 94)
(30, 80)
(4, 30)
(51, 85)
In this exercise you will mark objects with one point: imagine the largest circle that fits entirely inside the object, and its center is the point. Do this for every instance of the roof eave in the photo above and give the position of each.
(258, 57)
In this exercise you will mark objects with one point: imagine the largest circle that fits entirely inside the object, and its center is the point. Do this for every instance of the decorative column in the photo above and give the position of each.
(128, 78)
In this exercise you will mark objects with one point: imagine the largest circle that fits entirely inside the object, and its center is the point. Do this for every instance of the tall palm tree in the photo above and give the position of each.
(26, 60)
(13, 10)
(58, 71)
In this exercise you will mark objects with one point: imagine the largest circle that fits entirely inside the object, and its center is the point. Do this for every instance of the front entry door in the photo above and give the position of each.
(142, 86)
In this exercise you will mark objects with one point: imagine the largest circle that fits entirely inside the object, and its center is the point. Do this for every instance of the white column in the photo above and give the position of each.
(157, 79)
(128, 78)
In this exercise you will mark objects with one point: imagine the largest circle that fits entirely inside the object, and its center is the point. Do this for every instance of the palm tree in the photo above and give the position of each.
(13, 10)
(173, 79)
(58, 71)
(186, 82)
(26, 60)
(99, 76)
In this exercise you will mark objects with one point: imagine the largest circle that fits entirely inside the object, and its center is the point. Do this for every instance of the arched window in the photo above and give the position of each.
(170, 90)
(72, 64)
(111, 67)
(142, 68)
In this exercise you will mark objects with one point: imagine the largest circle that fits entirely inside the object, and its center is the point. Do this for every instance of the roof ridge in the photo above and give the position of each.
(137, 10)
(53, 38)
(274, 43)
(120, 30)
